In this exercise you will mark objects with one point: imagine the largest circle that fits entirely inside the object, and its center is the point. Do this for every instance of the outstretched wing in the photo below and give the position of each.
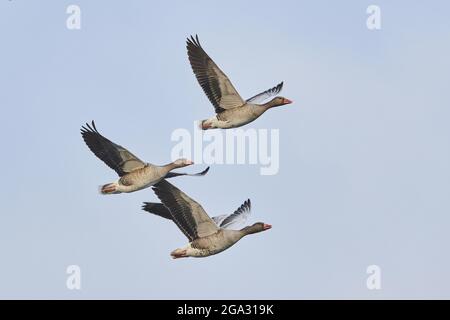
(187, 214)
(216, 85)
(238, 217)
(116, 157)
(161, 210)
(157, 208)
(177, 174)
(260, 97)
(218, 219)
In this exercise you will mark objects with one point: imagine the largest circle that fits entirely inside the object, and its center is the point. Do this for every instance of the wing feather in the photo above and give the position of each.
(237, 217)
(187, 214)
(113, 155)
(260, 97)
(216, 85)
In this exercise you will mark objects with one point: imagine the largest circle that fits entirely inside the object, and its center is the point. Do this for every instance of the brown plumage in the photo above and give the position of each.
(134, 173)
(205, 236)
(231, 110)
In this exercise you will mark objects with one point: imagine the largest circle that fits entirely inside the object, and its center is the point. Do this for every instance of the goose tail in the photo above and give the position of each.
(205, 124)
(178, 253)
(109, 188)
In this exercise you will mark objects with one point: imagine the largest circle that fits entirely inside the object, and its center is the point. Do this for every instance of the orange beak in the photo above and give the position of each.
(286, 101)
(189, 162)
(267, 226)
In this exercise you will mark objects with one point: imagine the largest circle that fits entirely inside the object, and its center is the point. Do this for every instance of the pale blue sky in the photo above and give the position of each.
(364, 150)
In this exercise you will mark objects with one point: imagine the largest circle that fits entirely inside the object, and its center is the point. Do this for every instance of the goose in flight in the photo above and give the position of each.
(207, 236)
(231, 110)
(134, 173)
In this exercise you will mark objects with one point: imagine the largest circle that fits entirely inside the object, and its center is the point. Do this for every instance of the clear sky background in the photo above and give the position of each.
(364, 151)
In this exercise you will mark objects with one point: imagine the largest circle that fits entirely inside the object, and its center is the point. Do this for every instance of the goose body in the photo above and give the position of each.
(231, 110)
(210, 245)
(207, 236)
(139, 179)
(134, 174)
(213, 244)
(236, 117)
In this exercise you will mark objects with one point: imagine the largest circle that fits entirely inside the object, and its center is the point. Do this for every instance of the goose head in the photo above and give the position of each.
(278, 101)
(256, 227)
(179, 163)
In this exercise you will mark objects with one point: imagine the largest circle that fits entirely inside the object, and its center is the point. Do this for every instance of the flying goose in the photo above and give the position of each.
(134, 173)
(231, 110)
(205, 236)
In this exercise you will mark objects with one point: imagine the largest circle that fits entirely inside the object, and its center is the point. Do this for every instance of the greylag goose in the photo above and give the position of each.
(205, 236)
(134, 173)
(231, 110)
